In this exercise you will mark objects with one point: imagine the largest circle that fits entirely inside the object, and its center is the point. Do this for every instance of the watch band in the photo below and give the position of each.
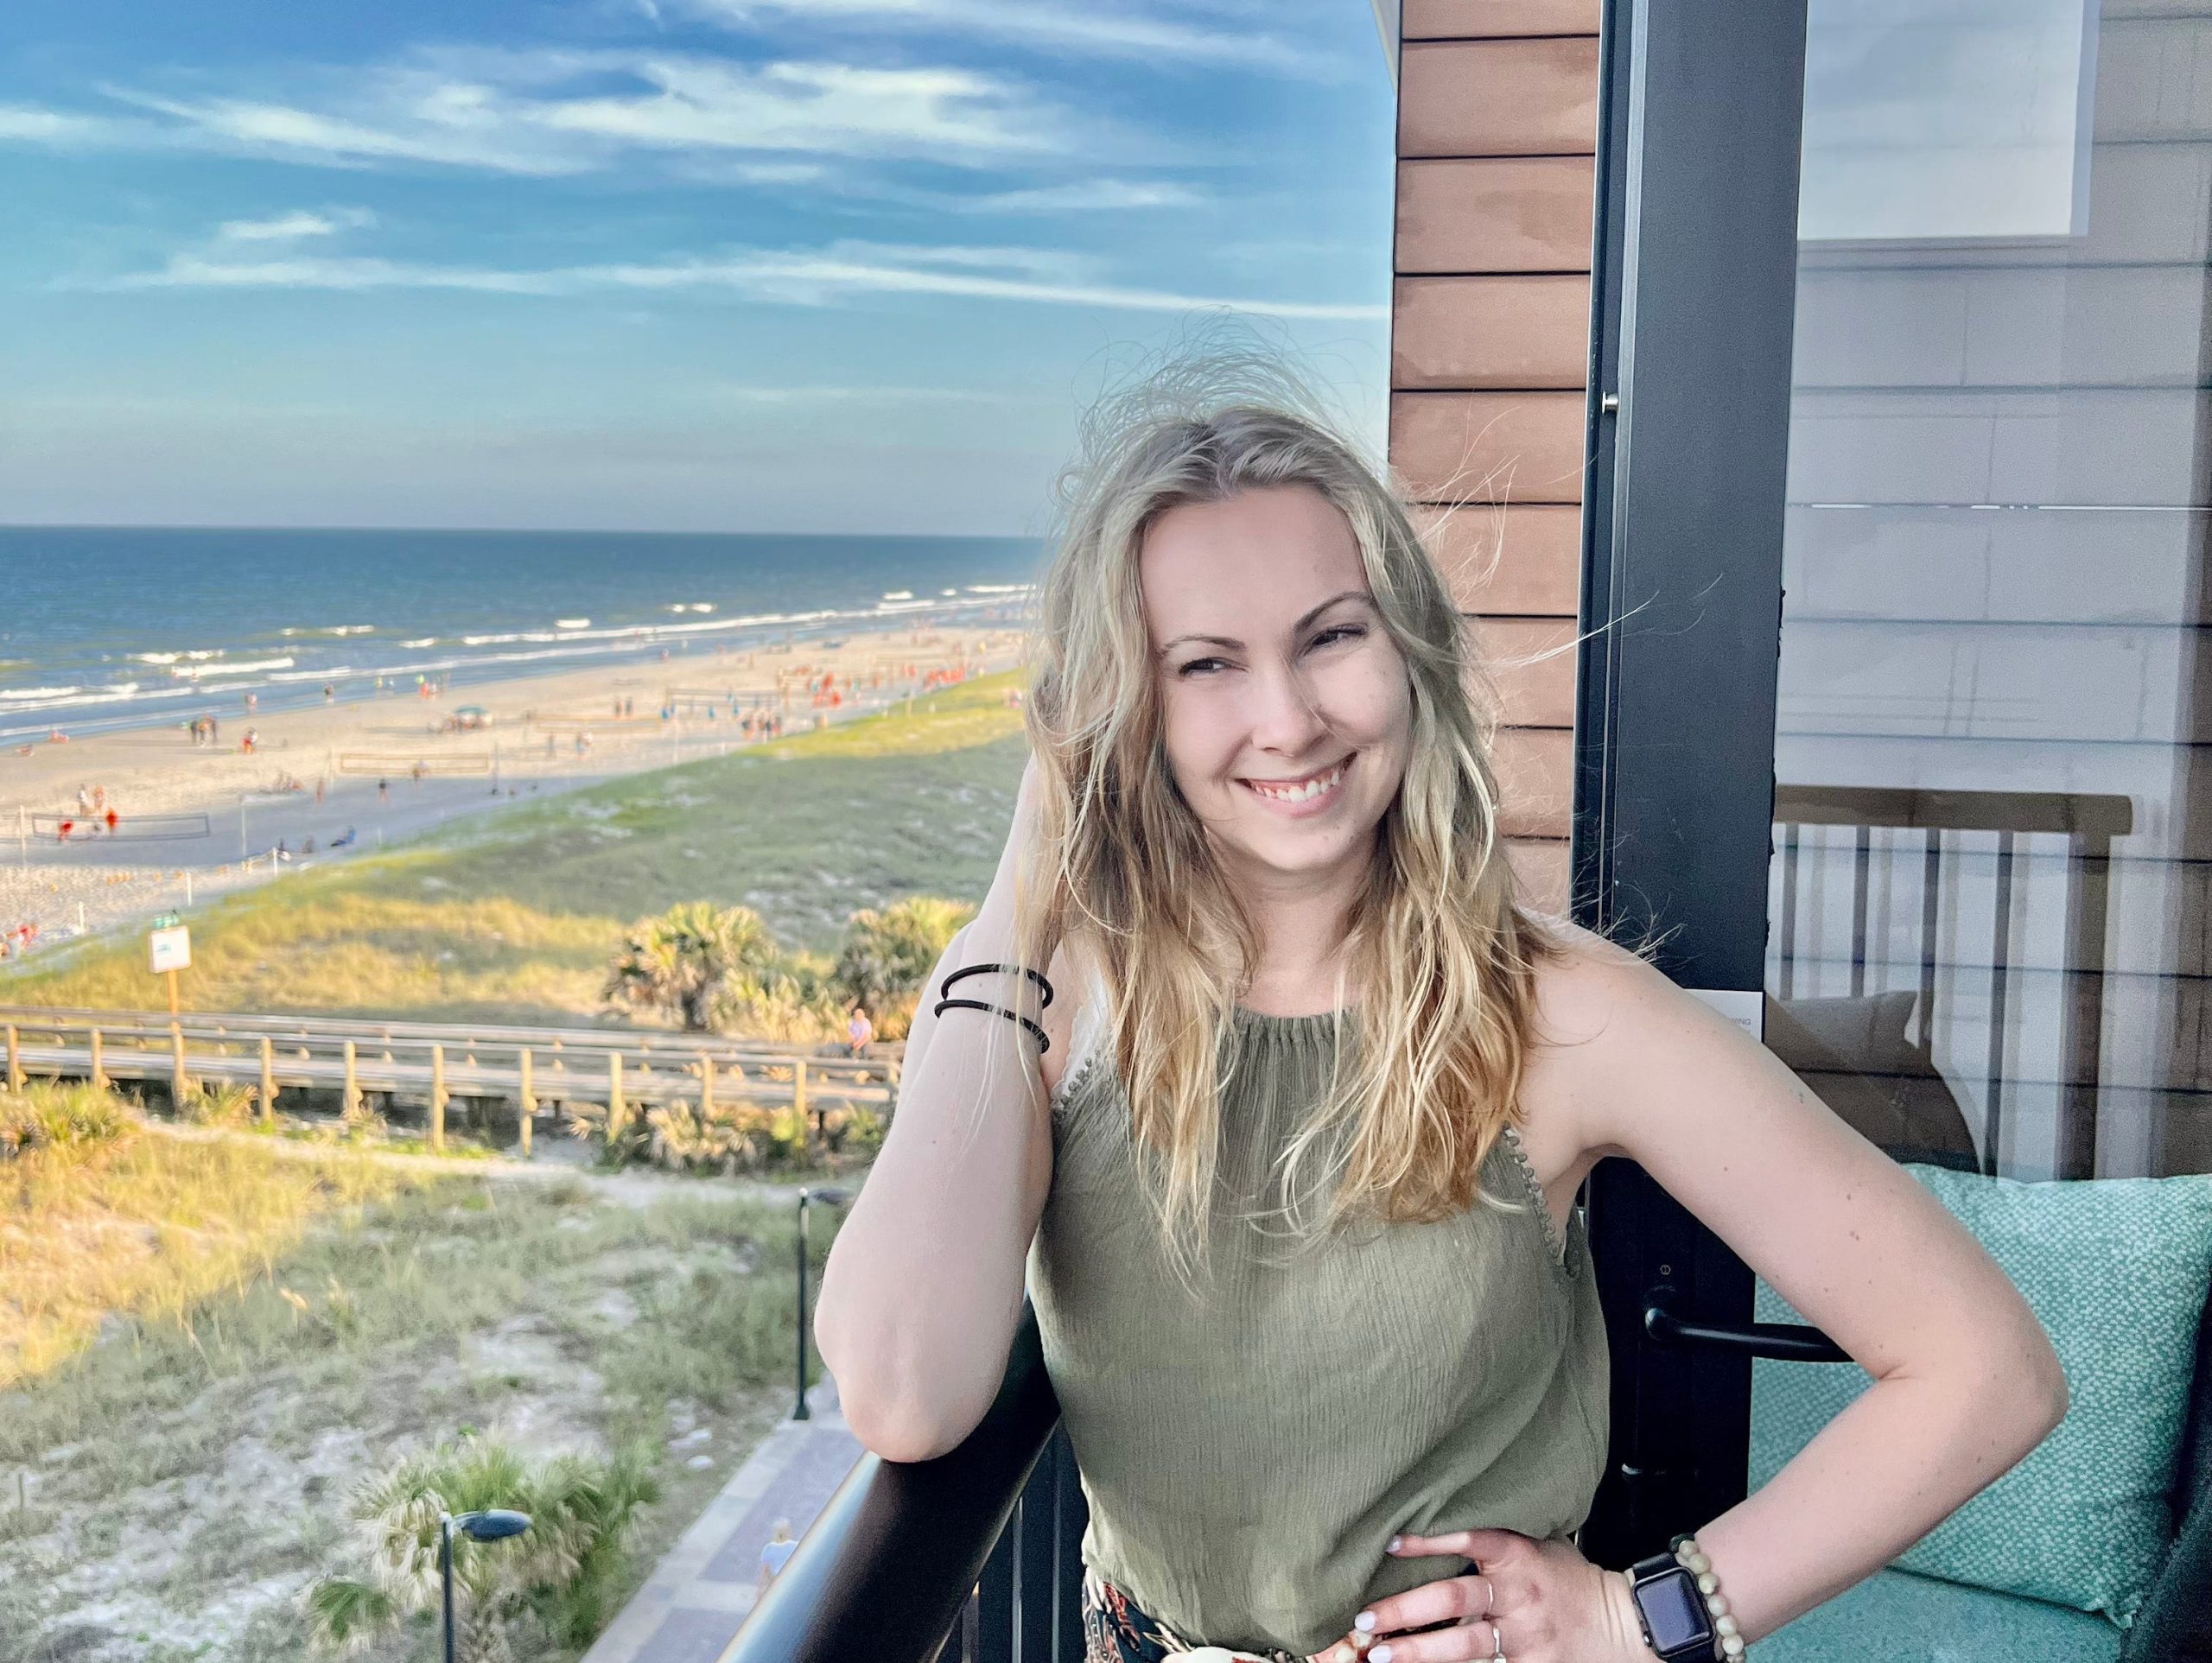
(1667, 1603)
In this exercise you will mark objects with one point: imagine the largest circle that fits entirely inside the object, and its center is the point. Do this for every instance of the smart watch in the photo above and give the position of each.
(1677, 1625)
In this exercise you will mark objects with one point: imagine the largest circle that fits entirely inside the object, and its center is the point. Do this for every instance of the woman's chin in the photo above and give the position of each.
(1322, 852)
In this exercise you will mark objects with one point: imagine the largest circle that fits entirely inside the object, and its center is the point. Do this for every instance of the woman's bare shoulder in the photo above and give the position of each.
(1586, 990)
(1582, 984)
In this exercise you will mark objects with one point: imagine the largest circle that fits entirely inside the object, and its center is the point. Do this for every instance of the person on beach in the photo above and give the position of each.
(775, 1554)
(1257, 1062)
(859, 1030)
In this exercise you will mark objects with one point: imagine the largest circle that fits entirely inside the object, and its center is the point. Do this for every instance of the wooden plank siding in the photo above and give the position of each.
(1494, 20)
(1490, 347)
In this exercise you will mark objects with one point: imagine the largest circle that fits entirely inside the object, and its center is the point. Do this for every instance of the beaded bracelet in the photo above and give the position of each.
(1693, 1558)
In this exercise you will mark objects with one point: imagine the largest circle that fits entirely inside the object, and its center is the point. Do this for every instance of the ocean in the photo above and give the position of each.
(107, 627)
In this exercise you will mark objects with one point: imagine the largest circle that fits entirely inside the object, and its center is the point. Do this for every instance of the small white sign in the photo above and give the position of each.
(170, 948)
(1747, 1011)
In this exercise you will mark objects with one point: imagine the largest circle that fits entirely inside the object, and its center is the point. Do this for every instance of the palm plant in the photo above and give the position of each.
(219, 1103)
(565, 1568)
(886, 956)
(58, 1115)
(791, 1003)
(684, 961)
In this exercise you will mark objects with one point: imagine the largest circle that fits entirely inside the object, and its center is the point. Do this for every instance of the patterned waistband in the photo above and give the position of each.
(1115, 1630)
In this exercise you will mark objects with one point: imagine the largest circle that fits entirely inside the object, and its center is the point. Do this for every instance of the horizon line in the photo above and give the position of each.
(506, 530)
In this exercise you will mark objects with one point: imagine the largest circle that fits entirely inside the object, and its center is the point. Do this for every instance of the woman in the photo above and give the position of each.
(1288, 1159)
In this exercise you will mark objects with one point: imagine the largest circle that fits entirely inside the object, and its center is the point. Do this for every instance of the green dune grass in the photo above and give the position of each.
(512, 917)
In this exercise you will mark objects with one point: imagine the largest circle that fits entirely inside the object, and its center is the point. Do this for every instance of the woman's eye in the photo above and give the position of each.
(1200, 667)
(1341, 632)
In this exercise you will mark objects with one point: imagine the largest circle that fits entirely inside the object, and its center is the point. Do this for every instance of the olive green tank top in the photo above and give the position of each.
(1248, 1452)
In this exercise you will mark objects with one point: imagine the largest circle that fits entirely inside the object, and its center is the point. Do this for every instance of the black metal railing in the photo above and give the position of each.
(971, 1558)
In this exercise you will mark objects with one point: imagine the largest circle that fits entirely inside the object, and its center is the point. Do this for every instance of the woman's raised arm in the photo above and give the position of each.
(924, 1285)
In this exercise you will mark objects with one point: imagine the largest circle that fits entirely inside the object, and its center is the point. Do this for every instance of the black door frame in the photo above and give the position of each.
(1693, 310)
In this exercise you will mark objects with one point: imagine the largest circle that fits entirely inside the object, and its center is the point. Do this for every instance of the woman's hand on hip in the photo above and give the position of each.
(1526, 1600)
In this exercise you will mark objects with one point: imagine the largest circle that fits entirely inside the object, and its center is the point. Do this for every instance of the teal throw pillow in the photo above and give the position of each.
(2116, 1269)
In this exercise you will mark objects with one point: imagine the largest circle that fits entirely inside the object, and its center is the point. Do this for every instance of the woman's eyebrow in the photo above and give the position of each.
(1231, 642)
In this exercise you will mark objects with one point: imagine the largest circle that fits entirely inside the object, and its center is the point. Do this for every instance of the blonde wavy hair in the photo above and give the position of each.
(1438, 948)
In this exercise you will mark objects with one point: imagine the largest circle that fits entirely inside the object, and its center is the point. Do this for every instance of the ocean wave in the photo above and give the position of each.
(899, 594)
(197, 655)
(189, 676)
(999, 588)
(247, 668)
(572, 623)
(32, 699)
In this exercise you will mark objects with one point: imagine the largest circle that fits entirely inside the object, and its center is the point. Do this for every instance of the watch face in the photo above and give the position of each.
(1672, 1607)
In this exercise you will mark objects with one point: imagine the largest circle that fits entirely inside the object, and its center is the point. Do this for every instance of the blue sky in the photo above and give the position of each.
(714, 265)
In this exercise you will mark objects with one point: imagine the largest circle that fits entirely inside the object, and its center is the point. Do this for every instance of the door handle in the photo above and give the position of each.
(1783, 1342)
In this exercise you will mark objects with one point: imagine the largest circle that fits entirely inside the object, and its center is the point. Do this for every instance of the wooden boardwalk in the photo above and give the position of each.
(429, 1063)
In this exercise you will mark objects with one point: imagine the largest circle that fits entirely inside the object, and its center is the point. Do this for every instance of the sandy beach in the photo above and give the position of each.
(197, 821)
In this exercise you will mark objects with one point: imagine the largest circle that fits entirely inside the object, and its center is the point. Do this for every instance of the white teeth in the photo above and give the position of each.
(1304, 792)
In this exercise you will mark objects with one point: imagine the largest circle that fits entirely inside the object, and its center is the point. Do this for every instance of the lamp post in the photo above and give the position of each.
(488, 1526)
(827, 1198)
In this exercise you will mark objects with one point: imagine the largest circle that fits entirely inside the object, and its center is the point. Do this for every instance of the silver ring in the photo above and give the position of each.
(1497, 1643)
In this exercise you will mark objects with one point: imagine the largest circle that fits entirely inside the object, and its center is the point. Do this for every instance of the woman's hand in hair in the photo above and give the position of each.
(1021, 835)
(1529, 1601)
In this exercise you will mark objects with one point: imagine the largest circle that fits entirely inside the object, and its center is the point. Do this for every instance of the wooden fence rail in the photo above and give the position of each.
(429, 1064)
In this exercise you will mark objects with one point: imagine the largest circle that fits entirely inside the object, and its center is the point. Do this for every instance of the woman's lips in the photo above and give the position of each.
(1314, 793)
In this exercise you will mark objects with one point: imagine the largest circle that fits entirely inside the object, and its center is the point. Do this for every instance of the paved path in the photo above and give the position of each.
(698, 1595)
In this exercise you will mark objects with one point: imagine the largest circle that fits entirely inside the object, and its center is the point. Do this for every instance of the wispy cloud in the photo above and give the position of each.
(803, 396)
(792, 277)
(28, 123)
(1088, 28)
(548, 113)
(356, 272)
(1085, 196)
(291, 227)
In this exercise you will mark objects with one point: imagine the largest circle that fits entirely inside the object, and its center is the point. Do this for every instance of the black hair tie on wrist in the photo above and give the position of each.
(978, 969)
(1043, 1044)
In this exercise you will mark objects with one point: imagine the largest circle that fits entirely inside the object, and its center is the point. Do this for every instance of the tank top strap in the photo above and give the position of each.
(1086, 1031)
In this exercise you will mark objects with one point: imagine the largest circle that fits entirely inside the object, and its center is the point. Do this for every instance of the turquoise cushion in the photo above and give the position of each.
(1894, 1614)
(2116, 1270)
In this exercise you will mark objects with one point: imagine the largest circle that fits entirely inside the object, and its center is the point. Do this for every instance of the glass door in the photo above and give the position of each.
(1962, 514)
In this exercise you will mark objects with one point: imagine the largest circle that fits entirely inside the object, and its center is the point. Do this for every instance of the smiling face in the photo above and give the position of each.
(1286, 708)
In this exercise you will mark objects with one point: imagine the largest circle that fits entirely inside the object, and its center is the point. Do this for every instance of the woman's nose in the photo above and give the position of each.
(1286, 717)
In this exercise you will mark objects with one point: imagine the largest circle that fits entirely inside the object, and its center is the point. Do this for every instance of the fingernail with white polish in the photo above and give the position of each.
(1380, 1654)
(1396, 1542)
(1364, 1622)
